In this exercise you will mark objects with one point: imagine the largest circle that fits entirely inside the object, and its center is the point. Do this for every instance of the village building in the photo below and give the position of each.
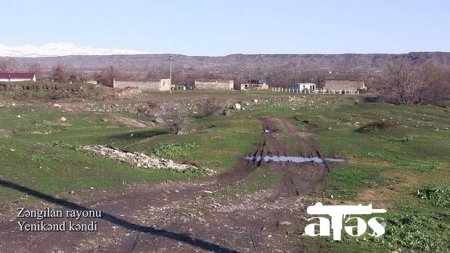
(91, 81)
(214, 84)
(17, 77)
(344, 86)
(260, 84)
(304, 87)
(161, 85)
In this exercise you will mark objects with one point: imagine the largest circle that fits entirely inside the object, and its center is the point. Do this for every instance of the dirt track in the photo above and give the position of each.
(188, 216)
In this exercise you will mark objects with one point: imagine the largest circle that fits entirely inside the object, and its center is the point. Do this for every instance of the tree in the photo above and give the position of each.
(403, 84)
(436, 84)
(37, 70)
(60, 74)
(174, 117)
(107, 75)
(9, 65)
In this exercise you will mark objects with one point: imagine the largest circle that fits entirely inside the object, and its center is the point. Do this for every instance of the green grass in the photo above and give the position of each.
(385, 168)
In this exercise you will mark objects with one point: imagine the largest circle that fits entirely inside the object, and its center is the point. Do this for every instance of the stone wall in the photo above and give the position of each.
(214, 84)
(161, 85)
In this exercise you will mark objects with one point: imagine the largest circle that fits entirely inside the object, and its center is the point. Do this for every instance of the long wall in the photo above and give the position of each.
(215, 84)
(162, 85)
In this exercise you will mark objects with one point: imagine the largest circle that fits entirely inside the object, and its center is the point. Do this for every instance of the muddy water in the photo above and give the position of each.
(294, 159)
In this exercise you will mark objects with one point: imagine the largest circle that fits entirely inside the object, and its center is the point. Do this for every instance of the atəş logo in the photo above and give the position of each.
(338, 213)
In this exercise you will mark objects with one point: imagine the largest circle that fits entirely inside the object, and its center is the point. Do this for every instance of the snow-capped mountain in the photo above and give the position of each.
(60, 49)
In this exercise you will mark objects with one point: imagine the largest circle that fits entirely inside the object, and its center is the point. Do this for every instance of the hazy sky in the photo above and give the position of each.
(221, 27)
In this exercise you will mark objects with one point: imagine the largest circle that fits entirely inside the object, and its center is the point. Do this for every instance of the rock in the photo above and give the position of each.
(226, 112)
(63, 119)
(57, 105)
(237, 106)
(255, 101)
(18, 116)
(158, 120)
(285, 223)
(139, 159)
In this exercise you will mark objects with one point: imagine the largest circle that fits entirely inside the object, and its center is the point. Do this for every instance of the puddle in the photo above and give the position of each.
(294, 159)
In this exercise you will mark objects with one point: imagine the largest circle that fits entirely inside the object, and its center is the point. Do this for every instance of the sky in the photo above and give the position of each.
(222, 27)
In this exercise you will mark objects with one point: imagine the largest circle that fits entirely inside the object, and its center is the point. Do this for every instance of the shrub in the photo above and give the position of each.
(374, 126)
(207, 108)
(174, 117)
(439, 196)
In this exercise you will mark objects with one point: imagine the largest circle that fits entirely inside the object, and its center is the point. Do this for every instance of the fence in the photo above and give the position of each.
(321, 91)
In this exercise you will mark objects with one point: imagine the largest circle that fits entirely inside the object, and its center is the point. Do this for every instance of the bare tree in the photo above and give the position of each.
(207, 108)
(403, 84)
(60, 74)
(9, 65)
(174, 117)
(37, 70)
(107, 75)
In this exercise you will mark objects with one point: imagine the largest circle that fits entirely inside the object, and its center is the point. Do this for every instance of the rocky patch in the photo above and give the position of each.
(140, 160)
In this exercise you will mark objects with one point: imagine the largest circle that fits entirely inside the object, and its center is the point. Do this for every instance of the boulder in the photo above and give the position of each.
(226, 112)
(158, 120)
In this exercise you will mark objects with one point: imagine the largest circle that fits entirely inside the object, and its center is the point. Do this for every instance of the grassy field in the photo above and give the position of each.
(404, 167)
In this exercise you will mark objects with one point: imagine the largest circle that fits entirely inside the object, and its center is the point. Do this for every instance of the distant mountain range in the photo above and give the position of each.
(60, 49)
(251, 66)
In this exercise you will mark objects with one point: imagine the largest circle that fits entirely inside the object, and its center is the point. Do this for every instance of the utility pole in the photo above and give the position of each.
(170, 72)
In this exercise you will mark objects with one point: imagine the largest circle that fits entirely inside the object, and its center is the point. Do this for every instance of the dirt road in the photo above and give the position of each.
(189, 216)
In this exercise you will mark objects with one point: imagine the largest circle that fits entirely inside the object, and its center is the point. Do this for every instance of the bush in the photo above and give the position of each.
(374, 126)
(207, 108)
(174, 117)
(439, 196)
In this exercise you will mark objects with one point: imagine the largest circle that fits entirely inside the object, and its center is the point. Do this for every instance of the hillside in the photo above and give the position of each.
(236, 63)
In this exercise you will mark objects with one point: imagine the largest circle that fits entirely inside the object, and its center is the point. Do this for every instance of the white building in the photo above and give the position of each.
(304, 87)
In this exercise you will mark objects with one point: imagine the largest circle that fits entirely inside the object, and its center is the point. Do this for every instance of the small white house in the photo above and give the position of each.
(304, 87)
(17, 77)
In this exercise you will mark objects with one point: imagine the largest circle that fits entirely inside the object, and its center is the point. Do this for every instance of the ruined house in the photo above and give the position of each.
(260, 84)
(161, 85)
(214, 84)
(344, 86)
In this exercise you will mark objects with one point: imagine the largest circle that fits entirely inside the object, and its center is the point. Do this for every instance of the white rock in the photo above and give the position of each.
(63, 119)
(285, 223)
